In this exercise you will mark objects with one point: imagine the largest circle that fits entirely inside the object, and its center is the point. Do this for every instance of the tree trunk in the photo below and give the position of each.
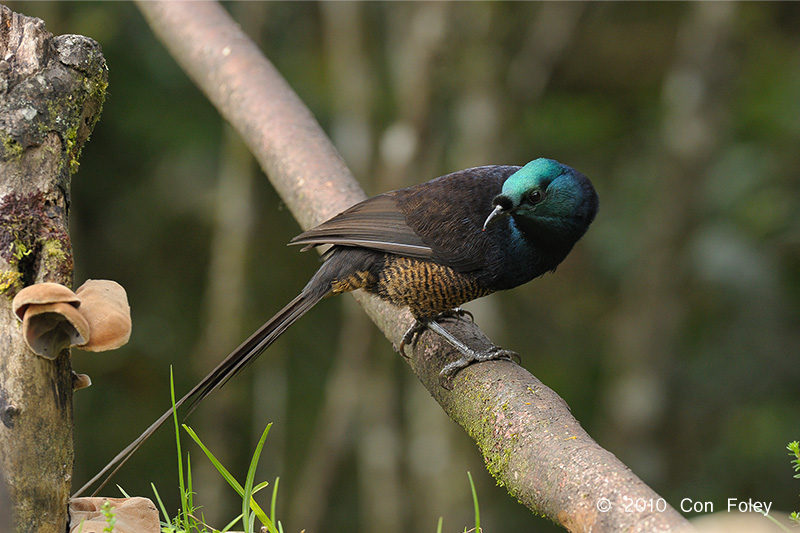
(51, 93)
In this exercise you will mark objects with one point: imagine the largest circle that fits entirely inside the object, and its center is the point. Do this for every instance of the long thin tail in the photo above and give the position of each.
(245, 354)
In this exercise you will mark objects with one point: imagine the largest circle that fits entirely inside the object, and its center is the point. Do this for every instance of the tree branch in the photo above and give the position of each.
(531, 443)
(51, 92)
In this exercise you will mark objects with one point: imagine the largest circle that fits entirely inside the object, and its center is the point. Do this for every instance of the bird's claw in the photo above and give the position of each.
(455, 314)
(418, 326)
(494, 353)
(408, 336)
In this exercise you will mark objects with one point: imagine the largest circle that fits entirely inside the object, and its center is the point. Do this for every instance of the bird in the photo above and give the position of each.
(430, 247)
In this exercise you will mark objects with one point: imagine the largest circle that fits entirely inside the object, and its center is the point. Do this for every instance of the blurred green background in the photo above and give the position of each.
(672, 330)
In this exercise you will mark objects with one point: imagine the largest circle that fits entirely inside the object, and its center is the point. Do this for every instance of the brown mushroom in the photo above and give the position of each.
(42, 293)
(96, 317)
(80, 381)
(49, 328)
(51, 321)
(104, 304)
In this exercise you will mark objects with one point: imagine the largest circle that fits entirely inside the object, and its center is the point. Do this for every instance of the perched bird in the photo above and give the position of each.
(432, 247)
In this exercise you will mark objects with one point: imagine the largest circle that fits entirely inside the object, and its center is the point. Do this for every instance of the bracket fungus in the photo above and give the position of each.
(104, 304)
(80, 381)
(96, 317)
(50, 318)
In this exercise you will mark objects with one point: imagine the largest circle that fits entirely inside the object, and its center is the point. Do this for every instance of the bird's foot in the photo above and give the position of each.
(457, 313)
(408, 336)
(420, 325)
(468, 355)
(494, 353)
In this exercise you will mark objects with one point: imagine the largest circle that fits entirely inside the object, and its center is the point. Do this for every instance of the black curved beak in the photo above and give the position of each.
(502, 206)
(498, 211)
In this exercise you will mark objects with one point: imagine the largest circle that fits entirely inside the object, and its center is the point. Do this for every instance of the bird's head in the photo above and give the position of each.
(545, 196)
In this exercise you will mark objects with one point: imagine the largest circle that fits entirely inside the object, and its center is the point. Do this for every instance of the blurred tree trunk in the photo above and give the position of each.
(651, 315)
(223, 304)
(51, 93)
(353, 84)
(416, 39)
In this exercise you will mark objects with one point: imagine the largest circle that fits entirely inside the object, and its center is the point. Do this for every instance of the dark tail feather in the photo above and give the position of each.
(229, 367)
(250, 349)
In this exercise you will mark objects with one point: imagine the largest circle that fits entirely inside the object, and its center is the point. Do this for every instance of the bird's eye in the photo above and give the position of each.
(534, 197)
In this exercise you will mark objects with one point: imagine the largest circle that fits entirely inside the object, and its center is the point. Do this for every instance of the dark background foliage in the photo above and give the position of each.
(672, 330)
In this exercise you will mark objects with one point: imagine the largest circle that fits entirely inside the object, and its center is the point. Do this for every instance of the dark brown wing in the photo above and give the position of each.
(440, 220)
(376, 223)
(448, 213)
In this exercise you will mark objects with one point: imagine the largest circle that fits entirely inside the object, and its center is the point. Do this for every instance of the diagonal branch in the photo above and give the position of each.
(531, 443)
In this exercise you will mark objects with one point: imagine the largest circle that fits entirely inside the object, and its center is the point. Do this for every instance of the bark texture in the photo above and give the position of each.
(51, 93)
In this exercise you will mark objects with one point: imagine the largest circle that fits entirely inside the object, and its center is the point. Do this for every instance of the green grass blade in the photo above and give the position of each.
(274, 501)
(227, 476)
(475, 504)
(777, 523)
(247, 500)
(230, 524)
(220, 468)
(161, 504)
(184, 507)
(189, 491)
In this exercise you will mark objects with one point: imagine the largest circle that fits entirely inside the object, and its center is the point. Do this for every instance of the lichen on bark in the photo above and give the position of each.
(51, 93)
